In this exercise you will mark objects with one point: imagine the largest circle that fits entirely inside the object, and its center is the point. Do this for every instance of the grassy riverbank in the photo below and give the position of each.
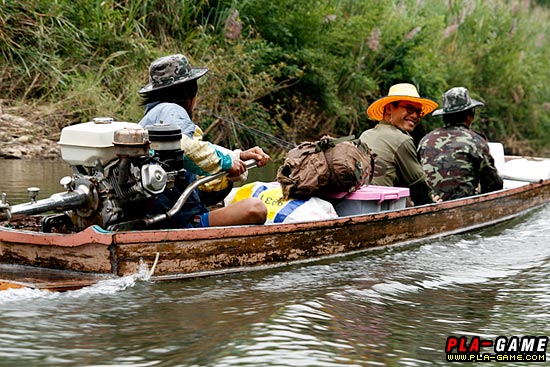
(294, 69)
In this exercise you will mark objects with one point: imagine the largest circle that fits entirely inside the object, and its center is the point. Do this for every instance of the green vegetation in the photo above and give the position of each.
(295, 69)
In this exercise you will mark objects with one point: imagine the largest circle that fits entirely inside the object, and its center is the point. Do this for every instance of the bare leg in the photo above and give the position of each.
(247, 211)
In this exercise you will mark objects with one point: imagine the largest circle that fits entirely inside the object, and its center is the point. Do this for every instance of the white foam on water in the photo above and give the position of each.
(107, 286)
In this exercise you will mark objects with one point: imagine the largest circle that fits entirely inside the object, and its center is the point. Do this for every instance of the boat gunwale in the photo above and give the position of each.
(125, 237)
(97, 235)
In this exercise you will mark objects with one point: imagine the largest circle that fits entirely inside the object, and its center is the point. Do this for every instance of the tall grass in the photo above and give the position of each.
(296, 69)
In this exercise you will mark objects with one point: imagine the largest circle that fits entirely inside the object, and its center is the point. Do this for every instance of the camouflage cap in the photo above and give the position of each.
(457, 99)
(170, 70)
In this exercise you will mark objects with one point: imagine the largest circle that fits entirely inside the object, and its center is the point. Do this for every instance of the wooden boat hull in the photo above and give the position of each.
(178, 254)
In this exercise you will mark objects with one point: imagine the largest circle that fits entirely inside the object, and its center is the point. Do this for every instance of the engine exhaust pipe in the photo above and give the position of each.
(77, 198)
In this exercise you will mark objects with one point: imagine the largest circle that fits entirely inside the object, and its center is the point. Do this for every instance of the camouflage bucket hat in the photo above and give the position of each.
(171, 70)
(456, 100)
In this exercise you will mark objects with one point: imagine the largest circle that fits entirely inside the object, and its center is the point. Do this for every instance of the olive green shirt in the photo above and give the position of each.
(396, 163)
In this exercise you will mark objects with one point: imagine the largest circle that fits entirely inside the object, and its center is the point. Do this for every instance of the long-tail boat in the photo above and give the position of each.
(33, 255)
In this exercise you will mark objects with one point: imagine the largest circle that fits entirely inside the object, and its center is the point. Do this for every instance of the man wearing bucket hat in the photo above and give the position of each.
(455, 159)
(169, 98)
(397, 162)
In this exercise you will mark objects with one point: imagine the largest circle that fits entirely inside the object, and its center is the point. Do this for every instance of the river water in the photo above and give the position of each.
(387, 307)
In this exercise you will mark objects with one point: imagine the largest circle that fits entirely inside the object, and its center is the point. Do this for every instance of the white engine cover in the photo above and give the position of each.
(86, 143)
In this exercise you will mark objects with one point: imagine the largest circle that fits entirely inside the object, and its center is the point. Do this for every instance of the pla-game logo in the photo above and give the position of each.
(502, 349)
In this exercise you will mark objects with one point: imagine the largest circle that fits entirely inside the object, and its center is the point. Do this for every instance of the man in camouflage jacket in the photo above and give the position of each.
(455, 159)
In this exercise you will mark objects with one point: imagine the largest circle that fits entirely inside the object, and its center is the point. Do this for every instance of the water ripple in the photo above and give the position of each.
(297, 335)
(393, 306)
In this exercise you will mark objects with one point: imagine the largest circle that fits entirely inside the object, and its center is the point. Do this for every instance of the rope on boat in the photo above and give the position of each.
(154, 264)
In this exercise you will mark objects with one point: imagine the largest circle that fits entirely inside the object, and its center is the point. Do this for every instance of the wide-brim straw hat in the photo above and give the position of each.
(455, 100)
(170, 70)
(400, 92)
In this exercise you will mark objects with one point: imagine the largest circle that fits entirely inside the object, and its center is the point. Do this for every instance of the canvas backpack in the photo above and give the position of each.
(327, 165)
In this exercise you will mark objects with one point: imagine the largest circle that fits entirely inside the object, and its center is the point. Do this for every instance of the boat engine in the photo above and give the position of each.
(118, 168)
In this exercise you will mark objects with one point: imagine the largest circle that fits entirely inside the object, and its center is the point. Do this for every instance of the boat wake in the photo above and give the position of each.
(102, 287)
(496, 256)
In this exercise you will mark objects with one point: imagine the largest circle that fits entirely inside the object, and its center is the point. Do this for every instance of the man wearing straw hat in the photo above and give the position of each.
(397, 161)
(169, 98)
(455, 159)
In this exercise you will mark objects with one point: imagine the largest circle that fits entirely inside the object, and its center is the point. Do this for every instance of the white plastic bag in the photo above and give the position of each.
(280, 210)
